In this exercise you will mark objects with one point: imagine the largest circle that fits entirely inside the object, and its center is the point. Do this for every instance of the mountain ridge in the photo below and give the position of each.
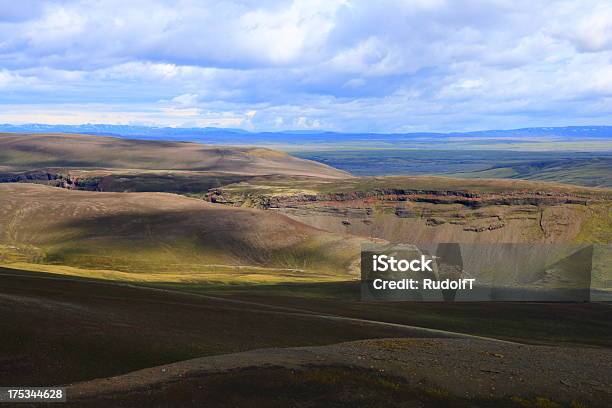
(594, 131)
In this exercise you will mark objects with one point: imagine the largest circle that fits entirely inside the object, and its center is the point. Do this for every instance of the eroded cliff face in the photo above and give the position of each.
(432, 215)
(50, 178)
(126, 180)
(426, 210)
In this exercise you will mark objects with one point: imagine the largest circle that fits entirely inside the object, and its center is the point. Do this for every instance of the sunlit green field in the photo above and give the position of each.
(583, 168)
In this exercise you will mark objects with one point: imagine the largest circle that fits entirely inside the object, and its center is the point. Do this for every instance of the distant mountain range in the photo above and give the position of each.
(240, 136)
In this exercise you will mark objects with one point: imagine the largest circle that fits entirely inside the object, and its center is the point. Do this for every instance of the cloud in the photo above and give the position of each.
(354, 65)
(592, 32)
(186, 99)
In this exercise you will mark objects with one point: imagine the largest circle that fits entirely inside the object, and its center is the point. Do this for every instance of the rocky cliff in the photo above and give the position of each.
(523, 213)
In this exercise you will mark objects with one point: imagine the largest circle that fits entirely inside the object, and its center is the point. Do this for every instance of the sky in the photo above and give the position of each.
(340, 65)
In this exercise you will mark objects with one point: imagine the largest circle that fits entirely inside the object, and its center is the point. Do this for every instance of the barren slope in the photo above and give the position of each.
(33, 151)
(56, 330)
(398, 372)
(149, 233)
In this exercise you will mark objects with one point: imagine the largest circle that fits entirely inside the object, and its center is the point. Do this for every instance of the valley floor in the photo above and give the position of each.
(303, 346)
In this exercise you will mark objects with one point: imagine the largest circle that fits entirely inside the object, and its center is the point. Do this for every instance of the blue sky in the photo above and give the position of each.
(383, 66)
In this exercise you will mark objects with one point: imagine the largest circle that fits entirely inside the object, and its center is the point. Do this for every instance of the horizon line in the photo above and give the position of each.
(297, 131)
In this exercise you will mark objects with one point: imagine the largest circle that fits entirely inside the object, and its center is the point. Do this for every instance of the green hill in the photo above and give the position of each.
(160, 237)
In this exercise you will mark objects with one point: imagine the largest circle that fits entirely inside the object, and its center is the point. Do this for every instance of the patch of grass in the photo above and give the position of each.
(537, 402)
(597, 226)
(264, 185)
(217, 275)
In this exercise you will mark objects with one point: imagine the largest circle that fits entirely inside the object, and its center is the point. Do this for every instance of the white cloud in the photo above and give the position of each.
(70, 114)
(338, 64)
(373, 56)
(593, 31)
(13, 81)
(186, 99)
(290, 34)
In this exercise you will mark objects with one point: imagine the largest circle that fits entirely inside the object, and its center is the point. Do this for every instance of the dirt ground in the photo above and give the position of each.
(229, 352)
(454, 371)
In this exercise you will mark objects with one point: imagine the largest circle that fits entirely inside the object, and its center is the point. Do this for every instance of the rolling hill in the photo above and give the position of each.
(160, 237)
(105, 271)
(34, 151)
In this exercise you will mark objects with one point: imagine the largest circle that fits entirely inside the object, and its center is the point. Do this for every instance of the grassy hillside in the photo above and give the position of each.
(281, 185)
(583, 168)
(33, 151)
(118, 235)
(596, 172)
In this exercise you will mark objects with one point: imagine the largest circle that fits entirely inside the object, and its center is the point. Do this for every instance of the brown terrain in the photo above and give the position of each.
(169, 274)
(150, 233)
(20, 152)
(439, 371)
(63, 331)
